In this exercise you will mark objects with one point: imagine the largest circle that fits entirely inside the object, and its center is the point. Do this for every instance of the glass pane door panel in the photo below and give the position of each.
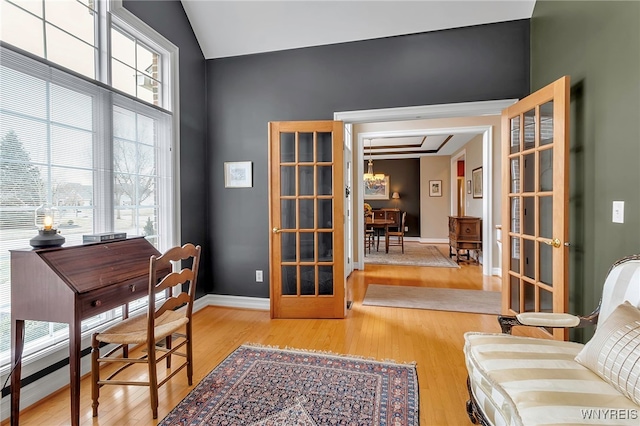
(546, 216)
(546, 263)
(306, 214)
(546, 123)
(515, 174)
(305, 147)
(288, 214)
(546, 170)
(287, 147)
(288, 244)
(325, 247)
(514, 303)
(515, 255)
(306, 180)
(529, 175)
(325, 180)
(515, 134)
(546, 300)
(529, 215)
(515, 214)
(325, 280)
(307, 247)
(287, 180)
(529, 129)
(529, 256)
(325, 214)
(324, 147)
(529, 297)
(289, 280)
(307, 280)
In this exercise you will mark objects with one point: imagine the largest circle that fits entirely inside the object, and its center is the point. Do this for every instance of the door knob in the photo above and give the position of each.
(555, 243)
(275, 230)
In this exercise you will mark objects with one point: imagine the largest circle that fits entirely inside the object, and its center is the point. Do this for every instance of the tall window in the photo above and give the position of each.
(102, 158)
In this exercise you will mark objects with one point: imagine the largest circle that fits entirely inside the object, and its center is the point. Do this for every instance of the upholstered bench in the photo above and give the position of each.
(528, 381)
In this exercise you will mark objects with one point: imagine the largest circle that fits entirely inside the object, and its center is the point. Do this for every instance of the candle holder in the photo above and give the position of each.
(46, 220)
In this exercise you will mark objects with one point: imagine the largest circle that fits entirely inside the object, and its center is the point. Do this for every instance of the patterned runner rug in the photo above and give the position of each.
(267, 386)
(415, 254)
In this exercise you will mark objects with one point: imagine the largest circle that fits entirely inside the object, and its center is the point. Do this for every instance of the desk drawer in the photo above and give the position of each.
(103, 299)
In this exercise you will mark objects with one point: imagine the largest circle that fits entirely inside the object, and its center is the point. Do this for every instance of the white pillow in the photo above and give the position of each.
(614, 351)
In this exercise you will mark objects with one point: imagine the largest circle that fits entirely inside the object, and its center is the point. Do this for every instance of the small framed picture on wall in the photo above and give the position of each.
(476, 186)
(435, 188)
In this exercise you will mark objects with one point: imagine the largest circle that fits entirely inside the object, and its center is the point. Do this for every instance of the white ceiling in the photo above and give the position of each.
(233, 28)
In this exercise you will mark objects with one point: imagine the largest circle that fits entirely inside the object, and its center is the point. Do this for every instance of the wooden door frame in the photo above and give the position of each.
(463, 109)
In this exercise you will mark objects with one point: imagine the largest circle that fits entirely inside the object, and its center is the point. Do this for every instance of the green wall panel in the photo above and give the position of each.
(597, 43)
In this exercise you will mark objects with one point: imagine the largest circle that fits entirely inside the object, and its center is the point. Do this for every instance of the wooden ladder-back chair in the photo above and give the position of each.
(398, 235)
(160, 324)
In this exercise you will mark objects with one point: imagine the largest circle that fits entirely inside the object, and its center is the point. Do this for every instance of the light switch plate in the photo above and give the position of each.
(618, 212)
(259, 278)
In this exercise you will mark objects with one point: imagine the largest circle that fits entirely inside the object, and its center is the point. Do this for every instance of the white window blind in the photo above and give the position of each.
(103, 159)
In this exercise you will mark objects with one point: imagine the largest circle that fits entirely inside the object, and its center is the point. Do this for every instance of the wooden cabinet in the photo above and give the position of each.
(465, 235)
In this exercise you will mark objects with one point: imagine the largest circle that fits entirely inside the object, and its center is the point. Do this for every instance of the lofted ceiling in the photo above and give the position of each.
(233, 28)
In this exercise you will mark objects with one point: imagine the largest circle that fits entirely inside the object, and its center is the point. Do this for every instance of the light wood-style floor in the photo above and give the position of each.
(433, 339)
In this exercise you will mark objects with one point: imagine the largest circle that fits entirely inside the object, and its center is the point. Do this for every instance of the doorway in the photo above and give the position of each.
(468, 109)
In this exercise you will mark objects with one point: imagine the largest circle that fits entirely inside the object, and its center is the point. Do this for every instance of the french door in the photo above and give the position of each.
(306, 218)
(535, 177)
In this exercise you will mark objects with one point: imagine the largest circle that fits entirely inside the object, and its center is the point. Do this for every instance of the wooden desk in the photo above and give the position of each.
(69, 284)
(380, 224)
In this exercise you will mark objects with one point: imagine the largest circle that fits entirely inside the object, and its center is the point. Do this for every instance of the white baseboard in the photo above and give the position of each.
(258, 303)
(496, 272)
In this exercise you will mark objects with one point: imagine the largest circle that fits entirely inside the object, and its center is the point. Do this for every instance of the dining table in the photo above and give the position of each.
(379, 224)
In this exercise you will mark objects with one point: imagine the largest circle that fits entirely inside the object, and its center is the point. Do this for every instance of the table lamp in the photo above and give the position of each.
(396, 197)
(46, 221)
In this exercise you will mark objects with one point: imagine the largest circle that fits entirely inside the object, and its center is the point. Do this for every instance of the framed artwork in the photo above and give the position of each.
(468, 187)
(237, 174)
(376, 189)
(476, 185)
(435, 188)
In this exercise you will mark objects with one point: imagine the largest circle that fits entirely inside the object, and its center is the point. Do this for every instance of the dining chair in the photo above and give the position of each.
(397, 235)
(154, 329)
(369, 237)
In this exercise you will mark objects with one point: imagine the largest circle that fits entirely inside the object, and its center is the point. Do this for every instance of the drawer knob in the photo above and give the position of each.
(96, 303)
(132, 287)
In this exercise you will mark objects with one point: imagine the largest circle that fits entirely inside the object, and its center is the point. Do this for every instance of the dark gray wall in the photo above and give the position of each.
(596, 43)
(244, 93)
(404, 178)
(169, 19)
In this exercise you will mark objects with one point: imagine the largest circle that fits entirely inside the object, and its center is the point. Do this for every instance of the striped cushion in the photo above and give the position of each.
(526, 381)
(614, 351)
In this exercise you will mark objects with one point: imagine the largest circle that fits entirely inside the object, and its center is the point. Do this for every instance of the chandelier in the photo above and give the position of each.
(370, 178)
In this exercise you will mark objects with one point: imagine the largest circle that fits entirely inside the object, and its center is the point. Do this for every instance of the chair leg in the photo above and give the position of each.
(189, 354)
(402, 243)
(153, 378)
(95, 373)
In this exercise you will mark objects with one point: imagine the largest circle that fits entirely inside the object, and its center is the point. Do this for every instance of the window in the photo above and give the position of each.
(103, 158)
(135, 67)
(63, 32)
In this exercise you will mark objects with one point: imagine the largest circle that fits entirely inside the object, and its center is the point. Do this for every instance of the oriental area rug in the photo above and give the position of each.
(437, 299)
(258, 385)
(415, 254)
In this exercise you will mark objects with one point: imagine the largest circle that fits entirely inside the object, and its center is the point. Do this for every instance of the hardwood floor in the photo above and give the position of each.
(433, 339)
